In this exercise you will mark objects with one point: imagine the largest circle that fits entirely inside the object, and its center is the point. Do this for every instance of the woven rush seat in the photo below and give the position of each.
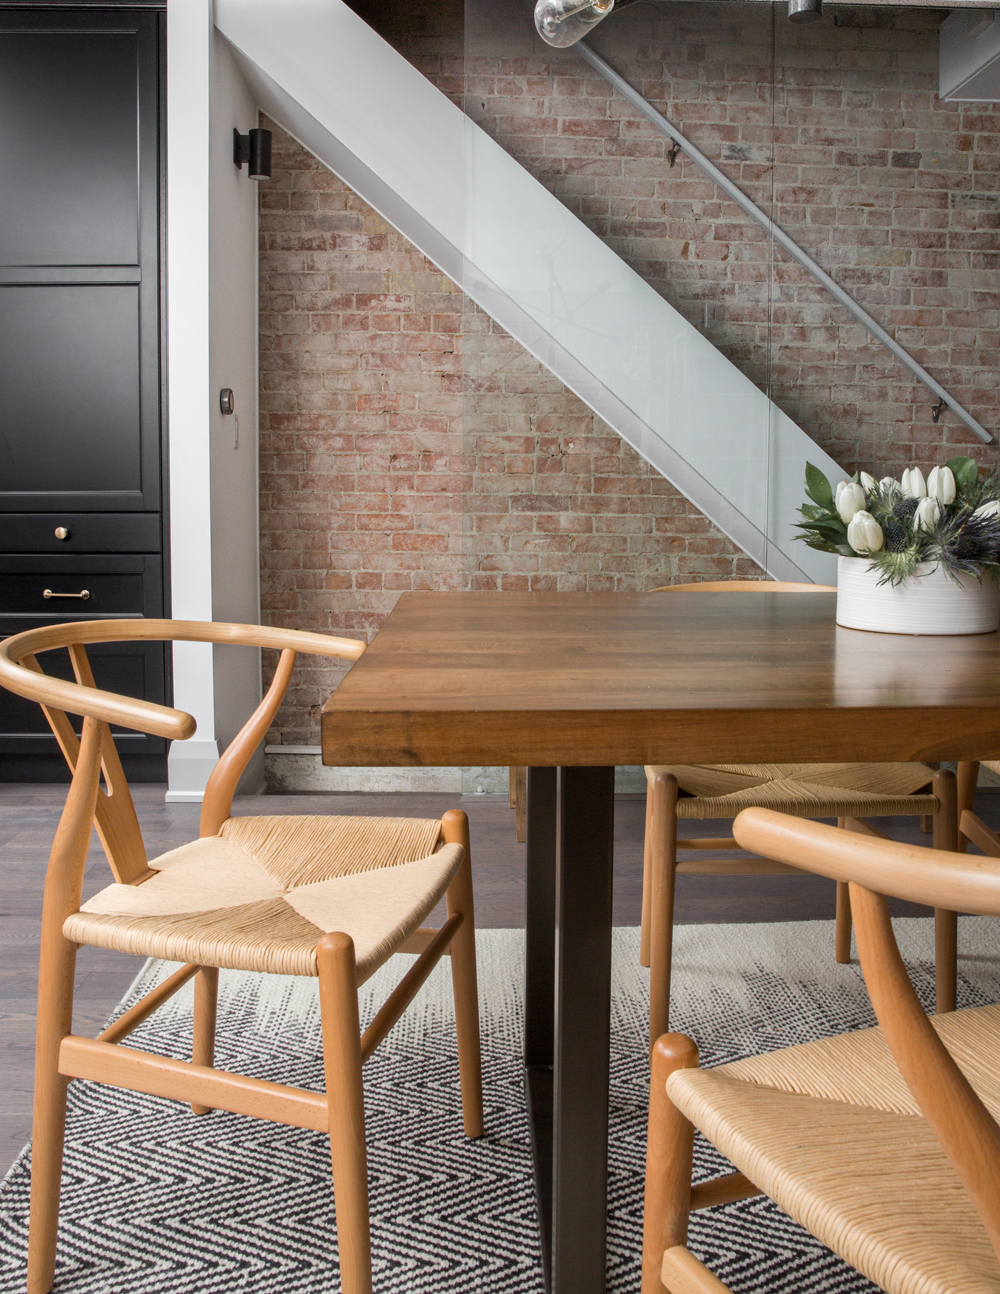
(802, 790)
(260, 895)
(830, 1131)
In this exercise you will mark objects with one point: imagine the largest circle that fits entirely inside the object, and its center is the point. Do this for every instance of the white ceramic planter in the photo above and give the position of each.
(928, 603)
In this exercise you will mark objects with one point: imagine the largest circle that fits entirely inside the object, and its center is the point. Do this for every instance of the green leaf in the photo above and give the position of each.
(827, 526)
(822, 546)
(818, 487)
(964, 470)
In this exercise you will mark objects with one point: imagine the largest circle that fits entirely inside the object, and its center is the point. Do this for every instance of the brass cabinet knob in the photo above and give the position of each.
(62, 532)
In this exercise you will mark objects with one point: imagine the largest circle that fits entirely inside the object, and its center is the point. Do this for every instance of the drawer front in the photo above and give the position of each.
(39, 589)
(80, 532)
(134, 669)
(126, 587)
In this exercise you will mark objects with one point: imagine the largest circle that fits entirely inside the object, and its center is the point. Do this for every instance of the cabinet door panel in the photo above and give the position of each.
(77, 430)
(69, 173)
(79, 261)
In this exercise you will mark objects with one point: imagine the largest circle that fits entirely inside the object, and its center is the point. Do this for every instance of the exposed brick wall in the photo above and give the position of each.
(407, 442)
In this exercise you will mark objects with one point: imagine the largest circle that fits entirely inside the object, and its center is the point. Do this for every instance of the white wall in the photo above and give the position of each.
(233, 363)
(211, 342)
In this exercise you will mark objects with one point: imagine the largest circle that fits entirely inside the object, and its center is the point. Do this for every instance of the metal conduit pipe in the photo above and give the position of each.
(665, 127)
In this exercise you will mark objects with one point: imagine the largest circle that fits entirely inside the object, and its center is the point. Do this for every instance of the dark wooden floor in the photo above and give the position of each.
(28, 816)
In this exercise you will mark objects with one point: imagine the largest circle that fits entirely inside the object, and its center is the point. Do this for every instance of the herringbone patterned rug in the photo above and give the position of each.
(157, 1200)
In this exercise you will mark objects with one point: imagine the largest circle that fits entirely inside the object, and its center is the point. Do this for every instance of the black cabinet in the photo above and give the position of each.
(81, 373)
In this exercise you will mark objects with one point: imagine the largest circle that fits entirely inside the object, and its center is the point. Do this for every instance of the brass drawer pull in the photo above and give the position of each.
(47, 593)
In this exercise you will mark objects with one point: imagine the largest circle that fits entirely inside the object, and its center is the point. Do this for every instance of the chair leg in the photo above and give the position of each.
(647, 844)
(55, 1021)
(521, 804)
(56, 969)
(338, 1000)
(842, 930)
(669, 1153)
(206, 996)
(945, 922)
(663, 870)
(843, 934)
(455, 827)
(968, 779)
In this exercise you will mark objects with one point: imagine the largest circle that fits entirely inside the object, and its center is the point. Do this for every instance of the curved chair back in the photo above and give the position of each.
(874, 868)
(114, 815)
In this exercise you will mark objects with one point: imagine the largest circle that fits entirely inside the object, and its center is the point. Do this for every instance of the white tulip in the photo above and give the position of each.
(941, 484)
(928, 514)
(990, 509)
(864, 534)
(850, 499)
(888, 481)
(913, 483)
(867, 482)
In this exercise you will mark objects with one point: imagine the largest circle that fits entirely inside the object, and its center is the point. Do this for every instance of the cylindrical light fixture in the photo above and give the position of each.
(260, 155)
(802, 11)
(254, 148)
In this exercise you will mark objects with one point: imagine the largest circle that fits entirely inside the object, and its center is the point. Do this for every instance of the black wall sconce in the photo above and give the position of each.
(253, 148)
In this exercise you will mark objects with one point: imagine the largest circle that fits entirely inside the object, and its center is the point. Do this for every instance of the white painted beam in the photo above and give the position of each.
(969, 57)
(189, 52)
(211, 342)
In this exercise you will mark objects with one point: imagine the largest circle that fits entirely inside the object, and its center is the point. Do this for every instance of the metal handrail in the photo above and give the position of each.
(667, 128)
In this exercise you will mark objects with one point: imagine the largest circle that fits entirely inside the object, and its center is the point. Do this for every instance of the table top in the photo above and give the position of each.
(462, 679)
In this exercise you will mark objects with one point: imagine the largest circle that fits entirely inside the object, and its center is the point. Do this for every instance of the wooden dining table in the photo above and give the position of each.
(572, 684)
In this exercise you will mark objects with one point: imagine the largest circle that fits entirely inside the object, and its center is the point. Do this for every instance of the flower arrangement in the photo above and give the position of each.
(950, 518)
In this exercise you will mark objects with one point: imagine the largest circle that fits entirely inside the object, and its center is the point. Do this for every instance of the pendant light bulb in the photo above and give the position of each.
(564, 22)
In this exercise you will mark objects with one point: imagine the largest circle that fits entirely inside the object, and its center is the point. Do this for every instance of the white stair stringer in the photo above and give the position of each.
(327, 78)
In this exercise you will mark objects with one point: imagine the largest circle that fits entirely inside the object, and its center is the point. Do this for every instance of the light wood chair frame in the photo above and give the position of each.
(965, 1129)
(62, 1056)
(971, 828)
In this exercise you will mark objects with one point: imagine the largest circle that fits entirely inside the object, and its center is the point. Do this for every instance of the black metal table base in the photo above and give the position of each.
(568, 1016)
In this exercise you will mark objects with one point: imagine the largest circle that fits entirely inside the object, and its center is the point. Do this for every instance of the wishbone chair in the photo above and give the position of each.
(327, 897)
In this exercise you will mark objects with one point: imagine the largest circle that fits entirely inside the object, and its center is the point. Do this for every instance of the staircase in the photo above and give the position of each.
(329, 80)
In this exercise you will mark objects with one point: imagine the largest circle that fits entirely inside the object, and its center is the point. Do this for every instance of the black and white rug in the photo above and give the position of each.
(158, 1200)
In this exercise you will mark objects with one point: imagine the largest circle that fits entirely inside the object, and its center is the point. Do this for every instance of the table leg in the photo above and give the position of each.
(568, 1016)
(539, 995)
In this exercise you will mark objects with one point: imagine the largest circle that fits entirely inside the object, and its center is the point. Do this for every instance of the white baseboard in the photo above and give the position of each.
(298, 768)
